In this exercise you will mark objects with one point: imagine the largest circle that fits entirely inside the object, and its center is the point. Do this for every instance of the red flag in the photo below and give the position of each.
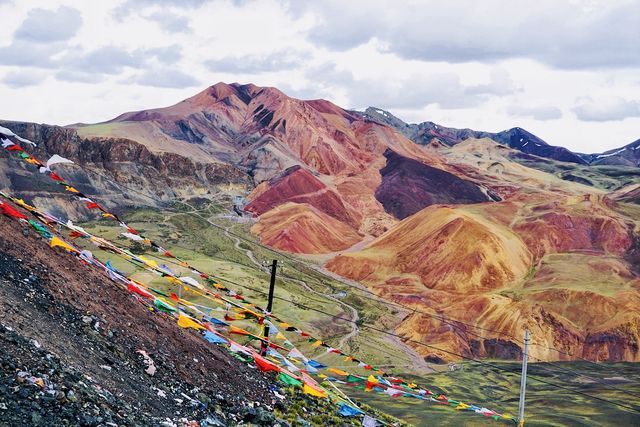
(174, 297)
(135, 289)
(92, 205)
(263, 364)
(55, 177)
(9, 211)
(14, 148)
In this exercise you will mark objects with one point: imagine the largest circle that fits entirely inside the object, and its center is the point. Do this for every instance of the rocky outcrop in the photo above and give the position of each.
(409, 186)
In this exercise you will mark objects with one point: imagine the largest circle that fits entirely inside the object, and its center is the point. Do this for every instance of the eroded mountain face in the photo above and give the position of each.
(500, 230)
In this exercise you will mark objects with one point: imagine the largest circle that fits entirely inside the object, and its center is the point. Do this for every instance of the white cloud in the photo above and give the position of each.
(538, 112)
(166, 78)
(275, 61)
(171, 22)
(561, 33)
(20, 79)
(488, 66)
(606, 109)
(44, 26)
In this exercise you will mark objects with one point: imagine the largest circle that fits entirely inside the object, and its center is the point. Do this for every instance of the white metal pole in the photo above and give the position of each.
(523, 379)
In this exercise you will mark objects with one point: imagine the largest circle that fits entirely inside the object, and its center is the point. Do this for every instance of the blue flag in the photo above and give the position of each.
(348, 411)
(213, 338)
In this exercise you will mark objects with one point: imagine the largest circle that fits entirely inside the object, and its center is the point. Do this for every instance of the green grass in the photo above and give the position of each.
(210, 250)
(545, 405)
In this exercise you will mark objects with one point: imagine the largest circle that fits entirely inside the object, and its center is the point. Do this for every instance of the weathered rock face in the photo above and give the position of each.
(110, 165)
(301, 228)
(299, 186)
(408, 186)
(441, 248)
(578, 223)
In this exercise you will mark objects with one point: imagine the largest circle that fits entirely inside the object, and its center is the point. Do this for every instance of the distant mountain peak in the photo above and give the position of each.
(518, 138)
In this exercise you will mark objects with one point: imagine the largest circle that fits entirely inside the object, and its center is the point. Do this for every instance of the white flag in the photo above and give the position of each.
(6, 132)
(132, 236)
(54, 160)
(368, 421)
(26, 141)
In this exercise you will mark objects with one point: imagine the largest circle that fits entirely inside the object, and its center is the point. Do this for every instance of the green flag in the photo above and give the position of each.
(162, 306)
(354, 379)
(288, 380)
(41, 229)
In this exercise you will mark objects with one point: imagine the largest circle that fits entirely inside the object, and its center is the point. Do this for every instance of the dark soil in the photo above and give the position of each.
(409, 186)
(68, 353)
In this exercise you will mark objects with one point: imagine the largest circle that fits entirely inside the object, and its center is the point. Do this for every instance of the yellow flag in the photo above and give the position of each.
(284, 325)
(338, 372)
(57, 242)
(318, 343)
(462, 406)
(149, 262)
(187, 322)
(70, 189)
(280, 336)
(313, 391)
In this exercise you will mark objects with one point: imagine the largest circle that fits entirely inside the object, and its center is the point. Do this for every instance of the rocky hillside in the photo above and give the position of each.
(70, 351)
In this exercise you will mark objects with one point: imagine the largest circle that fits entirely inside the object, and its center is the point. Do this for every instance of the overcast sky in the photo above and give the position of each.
(567, 71)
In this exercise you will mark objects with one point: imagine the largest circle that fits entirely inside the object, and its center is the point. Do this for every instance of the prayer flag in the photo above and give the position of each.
(347, 411)
(312, 391)
(187, 322)
(288, 380)
(58, 242)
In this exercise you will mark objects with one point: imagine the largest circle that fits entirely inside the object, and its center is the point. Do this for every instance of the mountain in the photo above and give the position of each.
(499, 230)
(426, 132)
(626, 156)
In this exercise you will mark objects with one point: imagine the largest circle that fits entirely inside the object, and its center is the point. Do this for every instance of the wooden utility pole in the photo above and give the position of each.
(265, 326)
(523, 378)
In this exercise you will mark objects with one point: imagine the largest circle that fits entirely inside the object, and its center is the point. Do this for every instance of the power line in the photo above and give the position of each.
(631, 408)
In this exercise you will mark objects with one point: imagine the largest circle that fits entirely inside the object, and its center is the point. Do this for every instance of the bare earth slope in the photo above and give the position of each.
(92, 329)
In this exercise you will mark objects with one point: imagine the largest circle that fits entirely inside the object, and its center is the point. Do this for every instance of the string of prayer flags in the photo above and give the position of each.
(372, 383)
(238, 331)
(338, 372)
(368, 421)
(163, 306)
(312, 391)
(214, 338)
(132, 287)
(263, 364)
